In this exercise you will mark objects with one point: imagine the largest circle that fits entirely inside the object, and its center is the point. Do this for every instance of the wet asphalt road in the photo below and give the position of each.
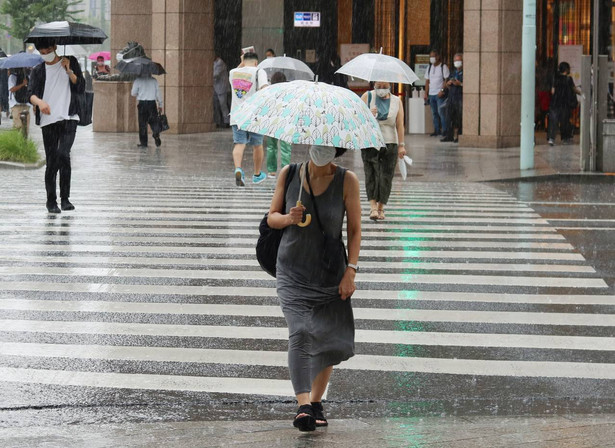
(146, 304)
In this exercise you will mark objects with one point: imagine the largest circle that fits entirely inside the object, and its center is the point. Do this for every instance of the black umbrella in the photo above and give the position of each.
(140, 66)
(66, 33)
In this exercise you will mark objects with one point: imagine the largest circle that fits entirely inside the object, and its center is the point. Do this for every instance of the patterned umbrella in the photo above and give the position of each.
(310, 113)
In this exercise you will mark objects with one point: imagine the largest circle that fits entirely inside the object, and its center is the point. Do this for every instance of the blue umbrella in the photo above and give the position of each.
(21, 60)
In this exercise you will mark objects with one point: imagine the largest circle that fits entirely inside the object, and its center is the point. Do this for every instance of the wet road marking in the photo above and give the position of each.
(251, 292)
(385, 314)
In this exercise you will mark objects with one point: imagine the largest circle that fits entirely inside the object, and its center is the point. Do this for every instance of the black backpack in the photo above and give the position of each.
(21, 95)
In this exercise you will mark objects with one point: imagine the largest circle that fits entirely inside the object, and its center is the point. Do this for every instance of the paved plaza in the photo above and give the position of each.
(144, 311)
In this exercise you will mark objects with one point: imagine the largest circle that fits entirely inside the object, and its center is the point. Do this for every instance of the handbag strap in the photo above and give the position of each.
(289, 176)
(307, 178)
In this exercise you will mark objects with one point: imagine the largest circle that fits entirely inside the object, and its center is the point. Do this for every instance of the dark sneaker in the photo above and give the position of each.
(142, 146)
(240, 178)
(157, 140)
(446, 139)
(52, 207)
(66, 205)
(434, 134)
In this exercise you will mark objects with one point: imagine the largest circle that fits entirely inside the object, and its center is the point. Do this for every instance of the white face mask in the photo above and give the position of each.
(457, 64)
(119, 57)
(432, 60)
(49, 57)
(322, 155)
(382, 93)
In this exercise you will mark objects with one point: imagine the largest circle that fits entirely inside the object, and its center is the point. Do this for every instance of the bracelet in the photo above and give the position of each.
(353, 266)
(402, 144)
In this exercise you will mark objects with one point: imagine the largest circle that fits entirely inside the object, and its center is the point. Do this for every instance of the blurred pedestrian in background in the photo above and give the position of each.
(435, 93)
(379, 163)
(563, 101)
(314, 278)
(101, 68)
(18, 97)
(4, 92)
(454, 114)
(150, 106)
(245, 81)
(221, 93)
(269, 53)
(544, 80)
(273, 144)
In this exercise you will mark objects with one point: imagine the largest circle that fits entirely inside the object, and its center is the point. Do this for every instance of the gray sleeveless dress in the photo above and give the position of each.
(320, 323)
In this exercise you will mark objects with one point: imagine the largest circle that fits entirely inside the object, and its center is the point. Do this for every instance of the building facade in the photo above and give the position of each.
(184, 36)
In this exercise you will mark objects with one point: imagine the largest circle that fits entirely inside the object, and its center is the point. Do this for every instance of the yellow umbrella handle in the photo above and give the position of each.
(308, 217)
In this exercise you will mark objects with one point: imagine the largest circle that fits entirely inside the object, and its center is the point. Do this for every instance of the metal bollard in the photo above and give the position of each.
(23, 116)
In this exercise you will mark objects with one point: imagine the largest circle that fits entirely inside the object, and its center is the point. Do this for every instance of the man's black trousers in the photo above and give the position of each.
(455, 117)
(148, 114)
(58, 140)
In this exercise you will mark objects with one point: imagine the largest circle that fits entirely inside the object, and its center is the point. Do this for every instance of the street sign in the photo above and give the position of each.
(307, 19)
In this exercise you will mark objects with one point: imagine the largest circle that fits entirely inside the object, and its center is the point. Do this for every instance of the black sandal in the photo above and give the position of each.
(306, 422)
(319, 414)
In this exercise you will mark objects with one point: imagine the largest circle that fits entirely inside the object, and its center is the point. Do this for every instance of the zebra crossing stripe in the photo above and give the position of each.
(385, 314)
(250, 292)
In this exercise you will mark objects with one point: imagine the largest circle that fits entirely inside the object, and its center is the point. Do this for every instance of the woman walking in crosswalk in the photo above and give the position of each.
(315, 280)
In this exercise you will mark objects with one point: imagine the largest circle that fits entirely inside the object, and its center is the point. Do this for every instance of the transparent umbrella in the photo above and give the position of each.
(379, 67)
(293, 69)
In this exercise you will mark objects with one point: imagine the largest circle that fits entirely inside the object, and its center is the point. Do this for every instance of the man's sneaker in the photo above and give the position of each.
(240, 178)
(66, 205)
(551, 142)
(52, 207)
(271, 175)
(157, 140)
(260, 178)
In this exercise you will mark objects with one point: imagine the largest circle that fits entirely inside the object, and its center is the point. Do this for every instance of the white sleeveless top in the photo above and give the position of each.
(388, 127)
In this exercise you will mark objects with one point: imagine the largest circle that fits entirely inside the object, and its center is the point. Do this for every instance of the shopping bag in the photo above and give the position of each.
(402, 166)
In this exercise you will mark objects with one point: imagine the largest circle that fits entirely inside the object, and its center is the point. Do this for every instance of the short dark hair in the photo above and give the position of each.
(339, 152)
(100, 57)
(270, 50)
(436, 51)
(43, 43)
(251, 56)
(564, 67)
(278, 77)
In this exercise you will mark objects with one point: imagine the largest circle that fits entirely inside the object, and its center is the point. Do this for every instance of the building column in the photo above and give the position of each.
(492, 74)
(183, 42)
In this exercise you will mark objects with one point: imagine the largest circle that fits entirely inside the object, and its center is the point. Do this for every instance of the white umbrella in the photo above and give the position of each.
(292, 68)
(379, 67)
(310, 113)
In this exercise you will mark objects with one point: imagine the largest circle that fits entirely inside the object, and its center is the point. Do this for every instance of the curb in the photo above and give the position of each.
(608, 177)
(21, 166)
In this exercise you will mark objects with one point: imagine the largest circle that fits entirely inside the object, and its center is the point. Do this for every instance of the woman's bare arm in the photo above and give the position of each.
(278, 219)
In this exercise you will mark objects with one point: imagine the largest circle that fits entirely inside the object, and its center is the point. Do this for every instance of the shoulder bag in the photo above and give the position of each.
(269, 240)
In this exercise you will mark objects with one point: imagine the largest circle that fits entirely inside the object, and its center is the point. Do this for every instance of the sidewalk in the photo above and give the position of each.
(433, 161)
(467, 432)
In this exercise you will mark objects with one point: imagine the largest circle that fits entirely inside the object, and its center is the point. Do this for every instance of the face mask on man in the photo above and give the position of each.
(49, 57)
(457, 64)
(322, 155)
(383, 93)
(432, 60)
(101, 63)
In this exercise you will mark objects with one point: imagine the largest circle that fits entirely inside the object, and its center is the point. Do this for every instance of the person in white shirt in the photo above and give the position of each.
(436, 75)
(246, 80)
(150, 105)
(18, 97)
(54, 89)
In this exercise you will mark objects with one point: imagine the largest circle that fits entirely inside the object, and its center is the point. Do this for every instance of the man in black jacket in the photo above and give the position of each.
(53, 90)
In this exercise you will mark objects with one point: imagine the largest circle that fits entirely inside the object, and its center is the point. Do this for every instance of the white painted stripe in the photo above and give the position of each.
(211, 274)
(585, 228)
(250, 211)
(419, 253)
(479, 340)
(456, 316)
(165, 261)
(381, 227)
(256, 217)
(246, 386)
(35, 239)
(253, 232)
(250, 292)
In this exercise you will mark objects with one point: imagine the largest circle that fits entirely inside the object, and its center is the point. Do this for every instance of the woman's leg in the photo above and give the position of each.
(319, 385)
(386, 171)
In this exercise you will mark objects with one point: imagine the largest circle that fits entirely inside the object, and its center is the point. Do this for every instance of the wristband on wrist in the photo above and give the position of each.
(353, 266)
